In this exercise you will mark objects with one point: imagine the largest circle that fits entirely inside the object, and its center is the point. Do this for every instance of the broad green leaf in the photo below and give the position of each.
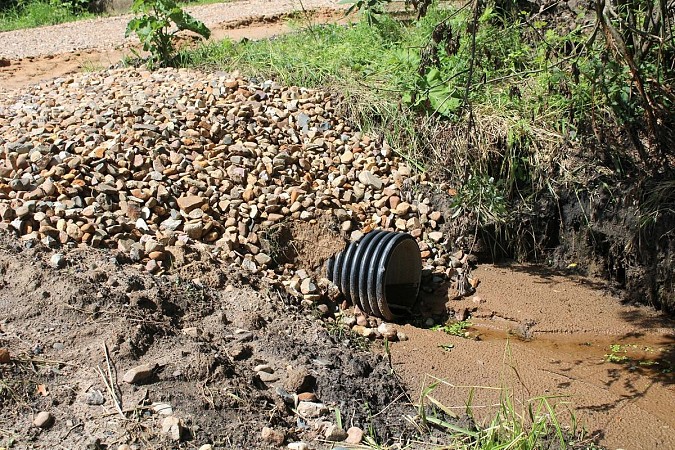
(185, 21)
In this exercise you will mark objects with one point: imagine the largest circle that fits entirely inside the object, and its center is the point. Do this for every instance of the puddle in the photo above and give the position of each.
(652, 355)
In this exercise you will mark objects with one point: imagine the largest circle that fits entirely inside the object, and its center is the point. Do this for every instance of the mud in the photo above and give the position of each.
(539, 332)
(609, 237)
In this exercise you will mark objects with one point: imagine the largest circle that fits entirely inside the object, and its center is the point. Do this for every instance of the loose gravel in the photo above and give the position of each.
(154, 164)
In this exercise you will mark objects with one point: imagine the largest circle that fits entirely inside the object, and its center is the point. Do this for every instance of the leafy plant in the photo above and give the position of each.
(617, 354)
(434, 94)
(157, 26)
(371, 9)
(454, 329)
(482, 197)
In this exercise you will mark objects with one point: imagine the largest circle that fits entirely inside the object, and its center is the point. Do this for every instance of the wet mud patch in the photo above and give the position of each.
(554, 334)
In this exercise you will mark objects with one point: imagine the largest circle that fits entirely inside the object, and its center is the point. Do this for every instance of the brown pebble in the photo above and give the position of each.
(299, 380)
(273, 436)
(5, 357)
(43, 419)
(156, 255)
(307, 397)
(354, 436)
(139, 374)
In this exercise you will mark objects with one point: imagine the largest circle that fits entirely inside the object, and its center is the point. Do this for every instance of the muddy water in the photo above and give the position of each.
(609, 367)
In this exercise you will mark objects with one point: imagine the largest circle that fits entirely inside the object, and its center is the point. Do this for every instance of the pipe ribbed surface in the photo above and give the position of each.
(380, 273)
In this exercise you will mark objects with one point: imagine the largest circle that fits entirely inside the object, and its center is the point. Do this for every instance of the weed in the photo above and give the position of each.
(534, 428)
(455, 328)
(277, 241)
(481, 197)
(628, 354)
(657, 203)
(338, 417)
(372, 10)
(342, 333)
(92, 66)
(157, 25)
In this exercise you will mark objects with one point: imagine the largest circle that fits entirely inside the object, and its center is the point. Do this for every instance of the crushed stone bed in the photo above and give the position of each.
(154, 165)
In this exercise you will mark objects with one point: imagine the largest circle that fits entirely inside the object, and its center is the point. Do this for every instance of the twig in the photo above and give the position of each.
(110, 382)
(391, 404)
(81, 424)
(310, 25)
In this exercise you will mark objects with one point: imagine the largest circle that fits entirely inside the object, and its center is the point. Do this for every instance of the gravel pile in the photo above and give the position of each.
(154, 164)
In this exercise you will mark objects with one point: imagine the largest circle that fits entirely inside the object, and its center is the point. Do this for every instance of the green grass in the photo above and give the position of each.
(36, 14)
(536, 427)
(315, 57)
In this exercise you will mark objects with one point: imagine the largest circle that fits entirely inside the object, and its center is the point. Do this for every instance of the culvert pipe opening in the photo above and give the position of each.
(380, 273)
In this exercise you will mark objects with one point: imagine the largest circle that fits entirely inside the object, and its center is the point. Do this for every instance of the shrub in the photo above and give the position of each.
(157, 26)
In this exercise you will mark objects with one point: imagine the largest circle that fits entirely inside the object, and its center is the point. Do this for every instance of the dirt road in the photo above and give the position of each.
(36, 54)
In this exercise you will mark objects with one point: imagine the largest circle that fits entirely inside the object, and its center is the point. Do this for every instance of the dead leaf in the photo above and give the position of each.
(42, 389)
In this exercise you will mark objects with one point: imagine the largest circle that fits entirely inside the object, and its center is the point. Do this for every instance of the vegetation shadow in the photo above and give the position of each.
(547, 274)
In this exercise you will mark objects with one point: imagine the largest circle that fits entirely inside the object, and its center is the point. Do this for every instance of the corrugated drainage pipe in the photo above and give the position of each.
(380, 273)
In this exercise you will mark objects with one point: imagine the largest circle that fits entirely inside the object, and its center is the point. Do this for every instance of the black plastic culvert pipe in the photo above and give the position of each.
(380, 273)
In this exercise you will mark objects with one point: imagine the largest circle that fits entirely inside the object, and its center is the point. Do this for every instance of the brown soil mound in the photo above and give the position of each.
(204, 337)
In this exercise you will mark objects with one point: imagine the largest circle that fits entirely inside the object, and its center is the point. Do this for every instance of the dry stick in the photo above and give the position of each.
(310, 25)
(113, 381)
(110, 383)
(472, 60)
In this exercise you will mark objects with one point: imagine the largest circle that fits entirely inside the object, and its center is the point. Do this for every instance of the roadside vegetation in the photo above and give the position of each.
(20, 14)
